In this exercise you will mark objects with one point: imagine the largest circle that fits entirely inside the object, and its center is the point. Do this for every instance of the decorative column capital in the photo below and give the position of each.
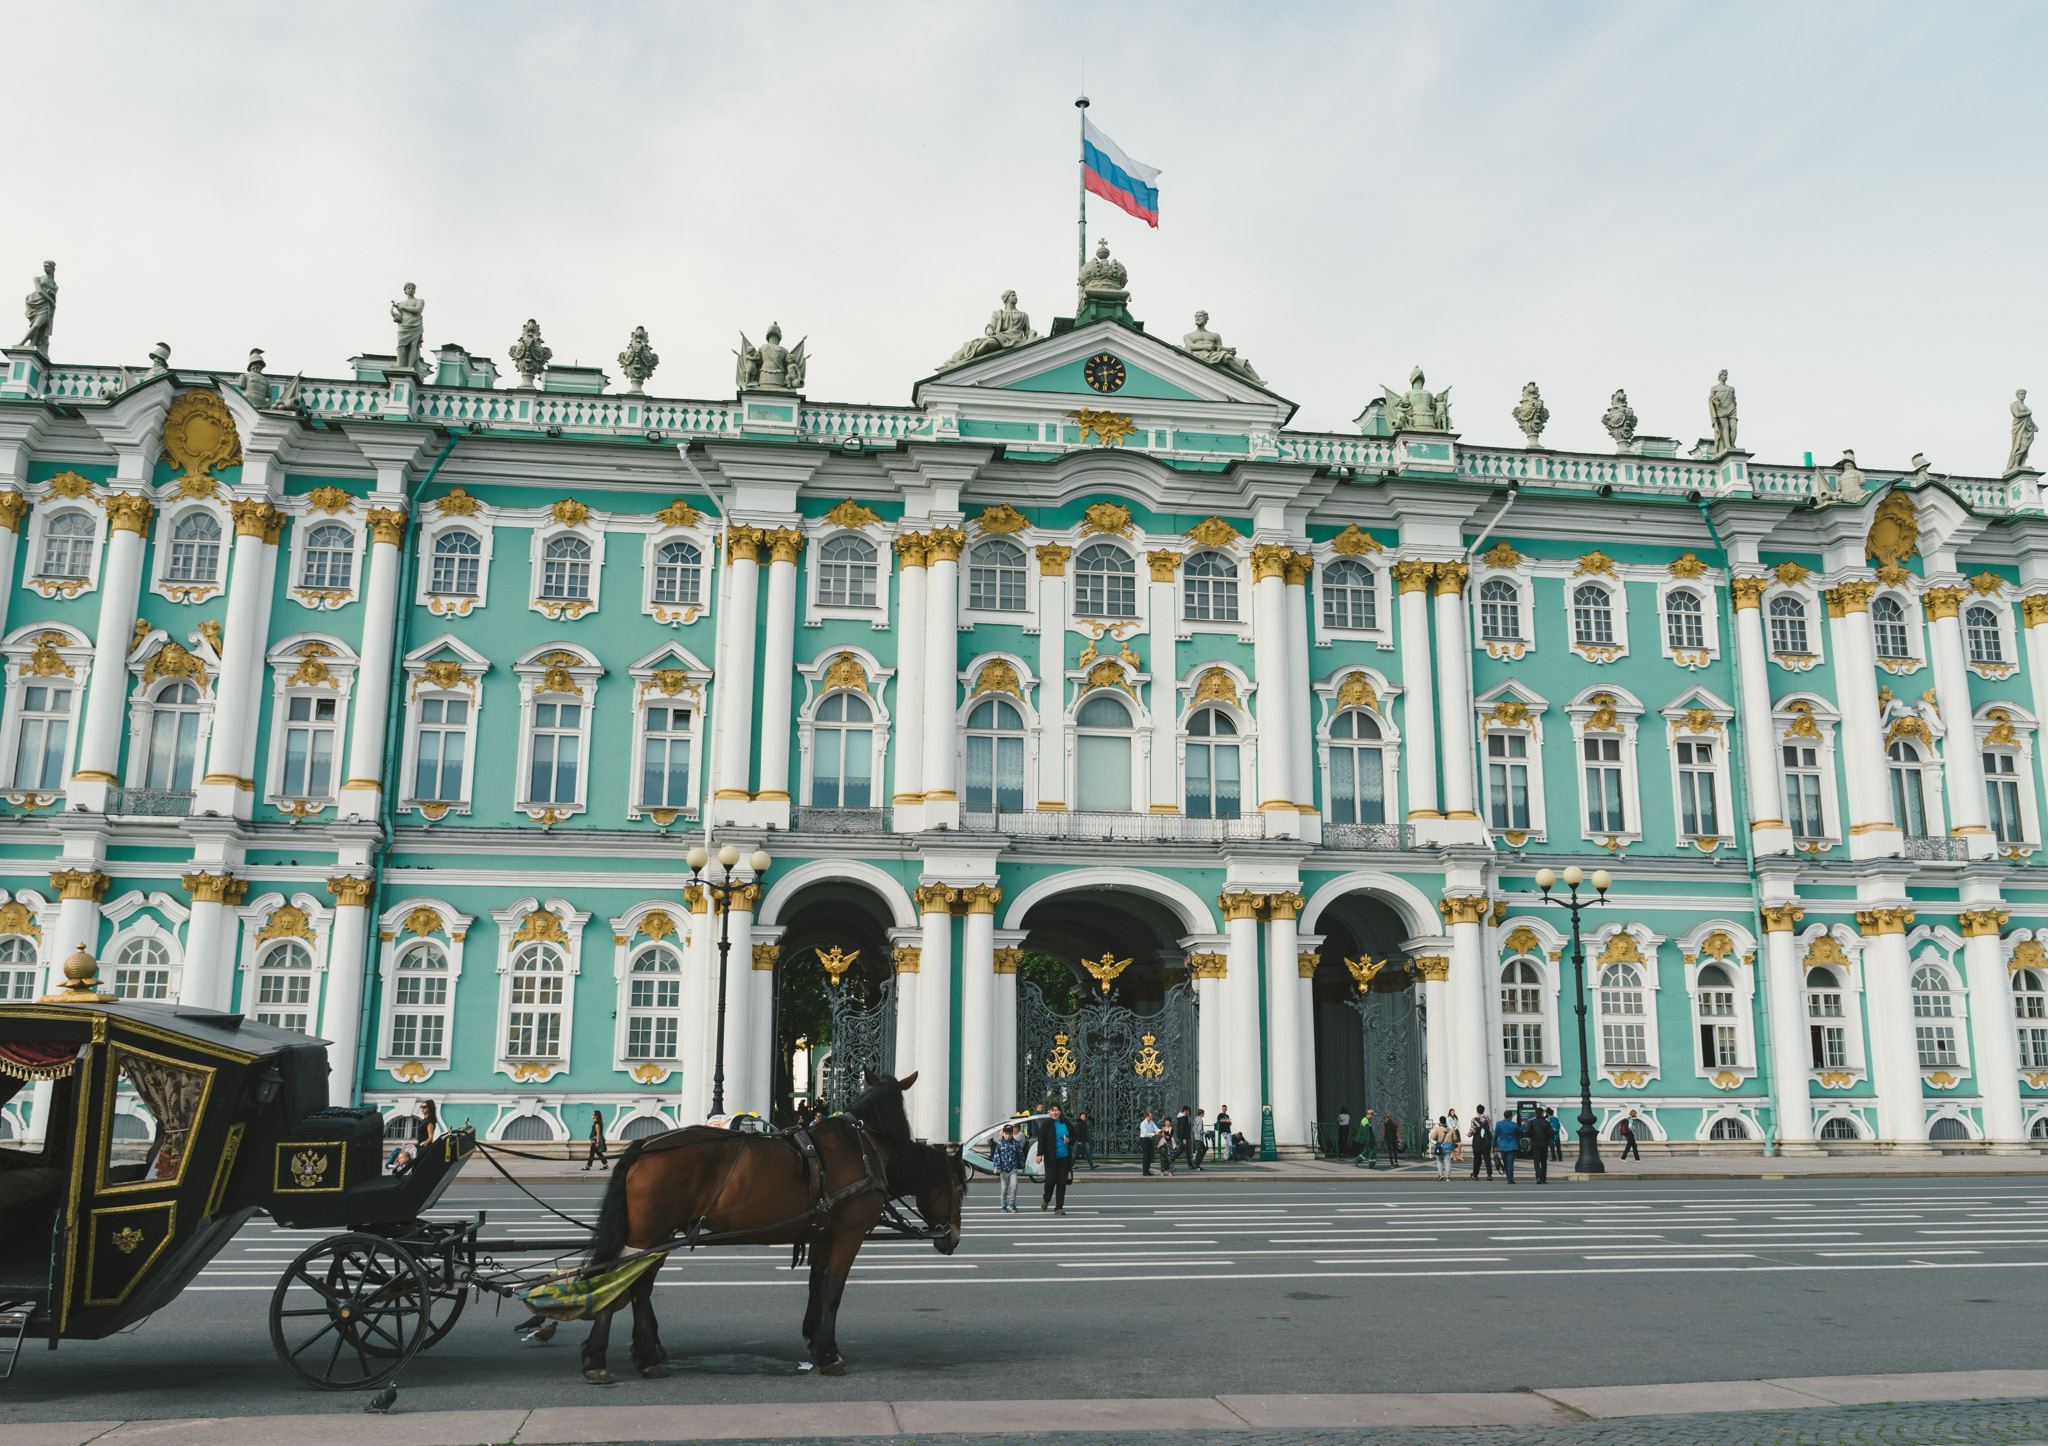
(1305, 964)
(127, 512)
(1434, 968)
(1052, 559)
(943, 544)
(388, 524)
(1849, 597)
(258, 519)
(1007, 960)
(742, 899)
(1748, 591)
(215, 888)
(1269, 559)
(1413, 574)
(1240, 906)
(1943, 602)
(1297, 568)
(743, 544)
(350, 891)
(935, 898)
(765, 956)
(1873, 922)
(694, 896)
(911, 546)
(1284, 906)
(1982, 923)
(13, 507)
(1450, 578)
(1782, 918)
(906, 957)
(981, 898)
(785, 544)
(1465, 908)
(2034, 610)
(1208, 966)
(1165, 562)
(80, 884)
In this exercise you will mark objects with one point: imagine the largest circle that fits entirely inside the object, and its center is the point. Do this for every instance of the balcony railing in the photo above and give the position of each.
(1370, 837)
(1955, 850)
(150, 802)
(840, 820)
(1116, 827)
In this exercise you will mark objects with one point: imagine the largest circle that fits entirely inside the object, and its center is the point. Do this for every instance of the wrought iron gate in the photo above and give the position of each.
(1396, 1066)
(863, 1038)
(1109, 1060)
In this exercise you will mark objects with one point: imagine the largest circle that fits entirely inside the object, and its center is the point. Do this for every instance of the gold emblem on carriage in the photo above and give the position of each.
(309, 1169)
(127, 1239)
(1150, 1065)
(1061, 1064)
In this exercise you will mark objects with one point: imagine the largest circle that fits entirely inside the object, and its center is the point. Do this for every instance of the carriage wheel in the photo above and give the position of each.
(449, 1297)
(350, 1312)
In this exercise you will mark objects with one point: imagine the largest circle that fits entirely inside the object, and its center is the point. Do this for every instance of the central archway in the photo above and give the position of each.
(1368, 1050)
(829, 917)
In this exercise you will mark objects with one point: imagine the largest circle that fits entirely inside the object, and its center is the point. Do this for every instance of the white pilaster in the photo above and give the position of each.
(1962, 767)
(699, 1004)
(1301, 740)
(342, 1003)
(208, 977)
(980, 1025)
(1163, 612)
(1244, 1087)
(1454, 692)
(929, 1101)
(942, 683)
(99, 746)
(1276, 699)
(1769, 832)
(1283, 1022)
(1307, 947)
(1436, 1003)
(1006, 954)
(2035, 612)
(228, 789)
(908, 959)
(777, 673)
(1418, 703)
(907, 801)
(1470, 1085)
(735, 681)
(1872, 832)
(362, 790)
(13, 508)
(1052, 676)
(765, 1058)
(1212, 1064)
(741, 1026)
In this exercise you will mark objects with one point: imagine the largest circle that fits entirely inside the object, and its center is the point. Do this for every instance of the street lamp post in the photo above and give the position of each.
(1589, 1134)
(721, 894)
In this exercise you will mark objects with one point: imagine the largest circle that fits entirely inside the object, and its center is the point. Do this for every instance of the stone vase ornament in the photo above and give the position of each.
(530, 355)
(638, 360)
(1620, 420)
(1531, 416)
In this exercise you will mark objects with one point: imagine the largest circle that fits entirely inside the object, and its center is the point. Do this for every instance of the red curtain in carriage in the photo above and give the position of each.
(26, 1059)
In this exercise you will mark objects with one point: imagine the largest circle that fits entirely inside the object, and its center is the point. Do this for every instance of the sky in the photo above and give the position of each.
(1841, 203)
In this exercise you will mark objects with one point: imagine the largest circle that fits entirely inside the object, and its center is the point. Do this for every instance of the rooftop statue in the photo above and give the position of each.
(2023, 430)
(1006, 328)
(770, 367)
(1619, 419)
(530, 355)
(1418, 409)
(42, 309)
(410, 314)
(1104, 277)
(638, 360)
(1531, 415)
(1205, 345)
(1847, 484)
(159, 361)
(1721, 410)
(255, 386)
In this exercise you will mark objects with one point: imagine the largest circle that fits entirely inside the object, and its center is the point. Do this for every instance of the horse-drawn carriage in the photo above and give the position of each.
(102, 1223)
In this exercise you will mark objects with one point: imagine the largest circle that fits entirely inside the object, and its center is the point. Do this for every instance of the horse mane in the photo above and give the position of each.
(913, 1165)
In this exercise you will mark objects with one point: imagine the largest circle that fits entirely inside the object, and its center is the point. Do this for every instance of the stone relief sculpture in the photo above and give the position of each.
(410, 314)
(1721, 411)
(1531, 415)
(638, 360)
(530, 355)
(1006, 328)
(42, 309)
(1418, 409)
(1619, 419)
(2023, 432)
(770, 367)
(1205, 345)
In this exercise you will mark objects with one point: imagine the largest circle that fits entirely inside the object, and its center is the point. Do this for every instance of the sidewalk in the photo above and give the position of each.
(1527, 1410)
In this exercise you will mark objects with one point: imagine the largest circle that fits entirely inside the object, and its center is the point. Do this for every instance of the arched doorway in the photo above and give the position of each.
(1369, 1047)
(826, 1033)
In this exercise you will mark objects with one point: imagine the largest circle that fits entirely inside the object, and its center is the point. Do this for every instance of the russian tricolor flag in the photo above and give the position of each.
(1115, 177)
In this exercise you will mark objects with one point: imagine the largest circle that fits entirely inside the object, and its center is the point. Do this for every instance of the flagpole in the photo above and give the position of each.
(1082, 259)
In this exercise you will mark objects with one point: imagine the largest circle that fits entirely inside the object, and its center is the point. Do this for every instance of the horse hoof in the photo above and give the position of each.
(598, 1377)
(654, 1372)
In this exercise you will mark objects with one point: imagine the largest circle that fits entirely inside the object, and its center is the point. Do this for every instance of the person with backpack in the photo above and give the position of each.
(1184, 1136)
(1556, 1137)
(1441, 1139)
(1628, 1137)
(1390, 1136)
(1008, 1158)
(1482, 1143)
(1507, 1140)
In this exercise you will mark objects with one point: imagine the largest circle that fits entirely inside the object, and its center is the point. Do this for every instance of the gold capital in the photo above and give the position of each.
(13, 507)
(1435, 968)
(906, 957)
(1849, 597)
(1872, 922)
(982, 898)
(350, 891)
(765, 956)
(1305, 964)
(1240, 906)
(1007, 960)
(1052, 559)
(1208, 966)
(944, 543)
(1982, 923)
(695, 897)
(2034, 610)
(129, 513)
(785, 544)
(1414, 574)
(1298, 567)
(1450, 578)
(1285, 905)
(387, 525)
(257, 519)
(1782, 918)
(744, 544)
(1943, 602)
(935, 898)
(1270, 560)
(1749, 591)
(910, 546)
(1164, 563)
(80, 884)
(215, 888)
(1465, 908)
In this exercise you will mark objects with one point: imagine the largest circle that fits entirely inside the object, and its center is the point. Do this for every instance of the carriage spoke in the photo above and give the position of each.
(331, 1325)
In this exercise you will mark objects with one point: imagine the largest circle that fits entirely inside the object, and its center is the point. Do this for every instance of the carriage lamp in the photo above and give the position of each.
(721, 894)
(1546, 879)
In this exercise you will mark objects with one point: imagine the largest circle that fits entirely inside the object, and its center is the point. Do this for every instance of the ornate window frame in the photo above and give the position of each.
(307, 665)
(1199, 690)
(1113, 676)
(1838, 948)
(679, 522)
(1603, 712)
(135, 915)
(1610, 579)
(400, 927)
(1730, 945)
(831, 673)
(1703, 588)
(155, 664)
(1815, 610)
(1140, 619)
(1789, 715)
(1532, 941)
(318, 508)
(1186, 626)
(556, 922)
(1923, 729)
(1513, 708)
(1942, 948)
(2001, 725)
(457, 512)
(853, 520)
(35, 651)
(66, 492)
(979, 681)
(1026, 616)
(567, 518)
(649, 924)
(1524, 585)
(557, 672)
(2008, 634)
(428, 677)
(1698, 714)
(670, 672)
(1362, 548)
(173, 512)
(273, 915)
(1640, 952)
(1916, 629)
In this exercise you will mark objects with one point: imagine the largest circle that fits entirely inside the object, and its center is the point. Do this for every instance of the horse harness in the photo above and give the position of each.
(873, 1180)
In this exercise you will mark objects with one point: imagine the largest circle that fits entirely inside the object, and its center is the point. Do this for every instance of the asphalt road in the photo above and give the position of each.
(1198, 1287)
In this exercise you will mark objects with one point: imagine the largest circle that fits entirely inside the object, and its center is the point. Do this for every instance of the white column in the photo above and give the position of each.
(1418, 703)
(1212, 1065)
(1163, 613)
(341, 1007)
(735, 682)
(1436, 1004)
(208, 977)
(1052, 677)
(1994, 1052)
(1791, 1044)
(1283, 1021)
(1466, 988)
(930, 1102)
(907, 800)
(1454, 691)
(979, 1031)
(1895, 1052)
(777, 672)
(942, 683)
(1962, 766)
(909, 964)
(1769, 833)
(13, 508)
(363, 787)
(1244, 1088)
(1872, 832)
(694, 1052)
(1301, 742)
(1305, 956)
(106, 703)
(740, 1024)
(1276, 701)
(1005, 957)
(226, 789)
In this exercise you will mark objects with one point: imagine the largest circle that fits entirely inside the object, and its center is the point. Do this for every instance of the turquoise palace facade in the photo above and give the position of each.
(387, 707)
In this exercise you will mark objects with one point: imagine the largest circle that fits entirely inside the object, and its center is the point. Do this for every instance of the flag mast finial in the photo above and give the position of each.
(1081, 104)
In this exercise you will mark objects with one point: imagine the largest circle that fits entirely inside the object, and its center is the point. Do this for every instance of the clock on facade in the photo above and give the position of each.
(1104, 372)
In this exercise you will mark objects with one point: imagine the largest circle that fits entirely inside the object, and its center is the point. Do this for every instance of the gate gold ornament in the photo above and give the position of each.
(1149, 1065)
(1106, 971)
(1060, 1064)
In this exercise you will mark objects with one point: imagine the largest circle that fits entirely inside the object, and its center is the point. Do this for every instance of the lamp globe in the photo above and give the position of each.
(1602, 880)
(759, 862)
(1574, 876)
(730, 856)
(696, 858)
(1546, 879)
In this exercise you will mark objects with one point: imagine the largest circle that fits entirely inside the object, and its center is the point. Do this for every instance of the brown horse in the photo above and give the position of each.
(713, 1186)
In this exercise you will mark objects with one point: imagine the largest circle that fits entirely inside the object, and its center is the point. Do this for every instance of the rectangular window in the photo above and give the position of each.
(1623, 1044)
(45, 722)
(416, 1034)
(2034, 1048)
(1521, 1044)
(1696, 789)
(1717, 1046)
(1937, 1044)
(443, 741)
(1909, 801)
(995, 773)
(1802, 792)
(557, 752)
(309, 747)
(2002, 797)
(534, 1029)
(665, 771)
(1603, 785)
(1830, 1046)
(1507, 780)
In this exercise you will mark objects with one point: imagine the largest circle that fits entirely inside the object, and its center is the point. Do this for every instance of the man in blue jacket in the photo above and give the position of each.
(1507, 1138)
(1056, 1153)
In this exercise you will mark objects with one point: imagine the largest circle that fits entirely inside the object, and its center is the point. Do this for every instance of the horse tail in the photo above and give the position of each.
(610, 1237)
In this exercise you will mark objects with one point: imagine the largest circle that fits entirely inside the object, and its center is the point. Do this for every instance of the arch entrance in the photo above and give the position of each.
(1368, 1044)
(834, 1011)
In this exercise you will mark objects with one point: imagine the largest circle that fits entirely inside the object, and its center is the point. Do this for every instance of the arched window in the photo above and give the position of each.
(195, 549)
(312, 724)
(1838, 1127)
(1933, 1003)
(1105, 583)
(1824, 1019)
(1948, 1127)
(1623, 1022)
(1102, 754)
(1209, 588)
(143, 970)
(995, 577)
(653, 1003)
(2002, 794)
(17, 969)
(45, 729)
(1684, 622)
(843, 753)
(533, 1025)
(1507, 779)
(565, 569)
(1214, 790)
(419, 1003)
(329, 558)
(669, 730)
(67, 546)
(1592, 615)
(1716, 1005)
(847, 572)
(2029, 1005)
(1521, 1007)
(457, 557)
(1909, 800)
(1728, 1128)
(284, 988)
(1350, 599)
(1888, 628)
(995, 758)
(678, 574)
(1788, 626)
(1358, 773)
(1980, 625)
(173, 737)
(1500, 610)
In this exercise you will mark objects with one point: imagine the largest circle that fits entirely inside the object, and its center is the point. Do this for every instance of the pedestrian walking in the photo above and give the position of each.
(1441, 1139)
(1148, 1140)
(1223, 1133)
(1201, 1136)
(1165, 1142)
(1457, 1137)
(1628, 1138)
(1009, 1162)
(1539, 1146)
(1184, 1136)
(1390, 1139)
(1556, 1137)
(1507, 1143)
(1056, 1153)
(1343, 1131)
(1082, 1147)
(1482, 1143)
(598, 1154)
(1368, 1141)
